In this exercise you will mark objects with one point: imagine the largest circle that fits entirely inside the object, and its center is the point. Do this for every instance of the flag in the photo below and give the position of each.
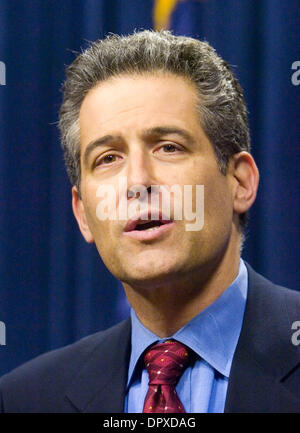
(162, 12)
(164, 9)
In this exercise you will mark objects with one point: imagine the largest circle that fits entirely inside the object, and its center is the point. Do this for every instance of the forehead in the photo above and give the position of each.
(132, 100)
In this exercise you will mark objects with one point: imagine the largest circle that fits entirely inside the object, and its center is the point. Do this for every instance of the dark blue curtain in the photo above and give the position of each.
(54, 288)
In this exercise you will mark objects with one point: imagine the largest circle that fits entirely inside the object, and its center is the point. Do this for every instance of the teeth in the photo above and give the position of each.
(151, 229)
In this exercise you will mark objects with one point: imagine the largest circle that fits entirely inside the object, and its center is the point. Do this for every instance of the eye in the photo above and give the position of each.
(170, 148)
(106, 159)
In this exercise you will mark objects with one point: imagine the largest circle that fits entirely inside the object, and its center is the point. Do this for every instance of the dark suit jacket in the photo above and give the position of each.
(90, 375)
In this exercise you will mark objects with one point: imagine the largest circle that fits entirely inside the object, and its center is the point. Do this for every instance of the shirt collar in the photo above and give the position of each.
(212, 334)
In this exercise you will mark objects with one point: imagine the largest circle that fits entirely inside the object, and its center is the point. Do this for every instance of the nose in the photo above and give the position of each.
(139, 170)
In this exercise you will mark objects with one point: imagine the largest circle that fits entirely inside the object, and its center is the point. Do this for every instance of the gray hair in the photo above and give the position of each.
(222, 108)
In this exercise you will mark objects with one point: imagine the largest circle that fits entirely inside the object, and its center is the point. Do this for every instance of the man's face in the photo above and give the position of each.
(131, 112)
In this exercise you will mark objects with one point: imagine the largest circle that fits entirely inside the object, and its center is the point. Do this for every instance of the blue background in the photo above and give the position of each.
(54, 288)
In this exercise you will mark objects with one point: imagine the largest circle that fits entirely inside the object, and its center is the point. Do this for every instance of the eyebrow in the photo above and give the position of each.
(148, 134)
(97, 143)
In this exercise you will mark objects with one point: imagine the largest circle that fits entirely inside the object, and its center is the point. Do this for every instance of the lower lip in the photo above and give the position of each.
(147, 235)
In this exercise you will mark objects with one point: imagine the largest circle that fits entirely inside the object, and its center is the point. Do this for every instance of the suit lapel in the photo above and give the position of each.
(243, 394)
(101, 383)
(264, 354)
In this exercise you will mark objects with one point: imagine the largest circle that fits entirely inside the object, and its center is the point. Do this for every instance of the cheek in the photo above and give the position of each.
(217, 197)
(95, 224)
(218, 205)
(90, 206)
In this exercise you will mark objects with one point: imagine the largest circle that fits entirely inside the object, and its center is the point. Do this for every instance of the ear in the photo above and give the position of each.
(79, 213)
(246, 177)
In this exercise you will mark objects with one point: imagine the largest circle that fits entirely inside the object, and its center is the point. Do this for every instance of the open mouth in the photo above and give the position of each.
(146, 230)
(147, 225)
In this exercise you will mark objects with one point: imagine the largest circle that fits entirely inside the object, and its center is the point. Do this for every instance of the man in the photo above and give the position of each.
(141, 115)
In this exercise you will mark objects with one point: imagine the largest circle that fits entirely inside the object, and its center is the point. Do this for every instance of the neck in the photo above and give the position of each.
(166, 306)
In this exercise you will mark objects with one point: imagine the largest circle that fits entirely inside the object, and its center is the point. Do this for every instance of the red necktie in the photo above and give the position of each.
(165, 363)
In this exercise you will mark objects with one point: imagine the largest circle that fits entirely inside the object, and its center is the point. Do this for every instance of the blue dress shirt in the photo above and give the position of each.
(213, 335)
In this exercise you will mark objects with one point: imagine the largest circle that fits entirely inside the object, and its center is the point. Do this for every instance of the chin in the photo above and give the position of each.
(149, 275)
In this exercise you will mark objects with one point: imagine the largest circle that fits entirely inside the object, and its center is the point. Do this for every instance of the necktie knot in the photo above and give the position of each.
(165, 362)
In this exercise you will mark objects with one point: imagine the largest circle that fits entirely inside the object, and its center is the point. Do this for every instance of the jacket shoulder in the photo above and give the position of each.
(46, 377)
(265, 373)
(283, 301)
